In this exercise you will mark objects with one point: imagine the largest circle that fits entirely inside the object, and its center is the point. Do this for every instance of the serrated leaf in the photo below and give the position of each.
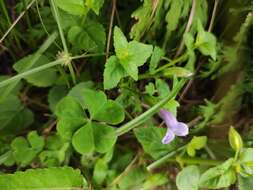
(95, 5)
(151, 141)
(220, 176)
(188, 178)
(43, 179)
(131, 55)
(157, 55)
(90, 36)
(206, 42)
(76, 7)
(113, 73)
(43, 78)
(83, 139)
(142, 15)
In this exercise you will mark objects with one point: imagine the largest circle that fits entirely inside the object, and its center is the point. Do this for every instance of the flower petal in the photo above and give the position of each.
(168, 137)
(181, 129)
(168, 118)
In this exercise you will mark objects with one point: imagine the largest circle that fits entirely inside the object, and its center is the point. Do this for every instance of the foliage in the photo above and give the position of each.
(83, 83)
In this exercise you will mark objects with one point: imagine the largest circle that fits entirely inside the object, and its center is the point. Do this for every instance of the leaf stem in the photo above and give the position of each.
(164, 159)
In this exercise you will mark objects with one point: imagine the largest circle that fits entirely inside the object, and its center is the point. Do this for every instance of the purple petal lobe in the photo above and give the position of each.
(168, 137)
(168, 118)
(181, 129)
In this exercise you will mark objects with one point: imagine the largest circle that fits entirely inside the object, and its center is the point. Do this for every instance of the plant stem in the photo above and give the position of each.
(29, 72)
(144, 116)
(163, 159)
(65, 47)
(4, 157)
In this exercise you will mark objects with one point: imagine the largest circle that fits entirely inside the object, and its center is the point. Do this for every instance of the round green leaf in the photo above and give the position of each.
(104, 136)
(83, 140)
(111, 113)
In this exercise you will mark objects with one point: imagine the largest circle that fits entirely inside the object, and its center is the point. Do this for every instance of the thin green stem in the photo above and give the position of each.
(65, 47)
(30, 72)
(173, 62)
(144, 116)
(164, 159)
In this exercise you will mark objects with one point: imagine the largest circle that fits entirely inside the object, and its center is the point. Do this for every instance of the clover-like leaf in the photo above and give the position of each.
(83, 139)
(71, 116)
(105, 137)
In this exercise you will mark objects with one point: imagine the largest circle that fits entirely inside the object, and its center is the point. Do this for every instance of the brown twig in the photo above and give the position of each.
(210, 28)
(110, 28)
(188, 26)
(16, 21)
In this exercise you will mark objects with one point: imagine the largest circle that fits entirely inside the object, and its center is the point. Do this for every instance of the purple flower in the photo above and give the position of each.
(174, 127)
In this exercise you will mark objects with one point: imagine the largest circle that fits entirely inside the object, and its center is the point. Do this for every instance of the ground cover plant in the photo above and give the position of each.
(126, 94)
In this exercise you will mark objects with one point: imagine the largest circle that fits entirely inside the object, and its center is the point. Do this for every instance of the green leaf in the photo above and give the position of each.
(14, 116)
(177, 72)
(196, 143)
(23, 154)
(162, 87)
(150, 89)
(246, 155)
(78, 92)
(235, 140)
(154, 180)
(142, 15)
(220, 176)
(245, 183)
(95, 5)
(70, 115)
(156, 57)
(131, 55)
(188, 178)
(90, 36)
(37, 142)
(55, 94)
(113, 73)
(15, 89)
(100, 171)
(111, 113)
(83, 139)
(43, 78)
(206, 42)
(104, 137)
(41, 179)
(133, 180)
(76, 7)
(151, 141)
